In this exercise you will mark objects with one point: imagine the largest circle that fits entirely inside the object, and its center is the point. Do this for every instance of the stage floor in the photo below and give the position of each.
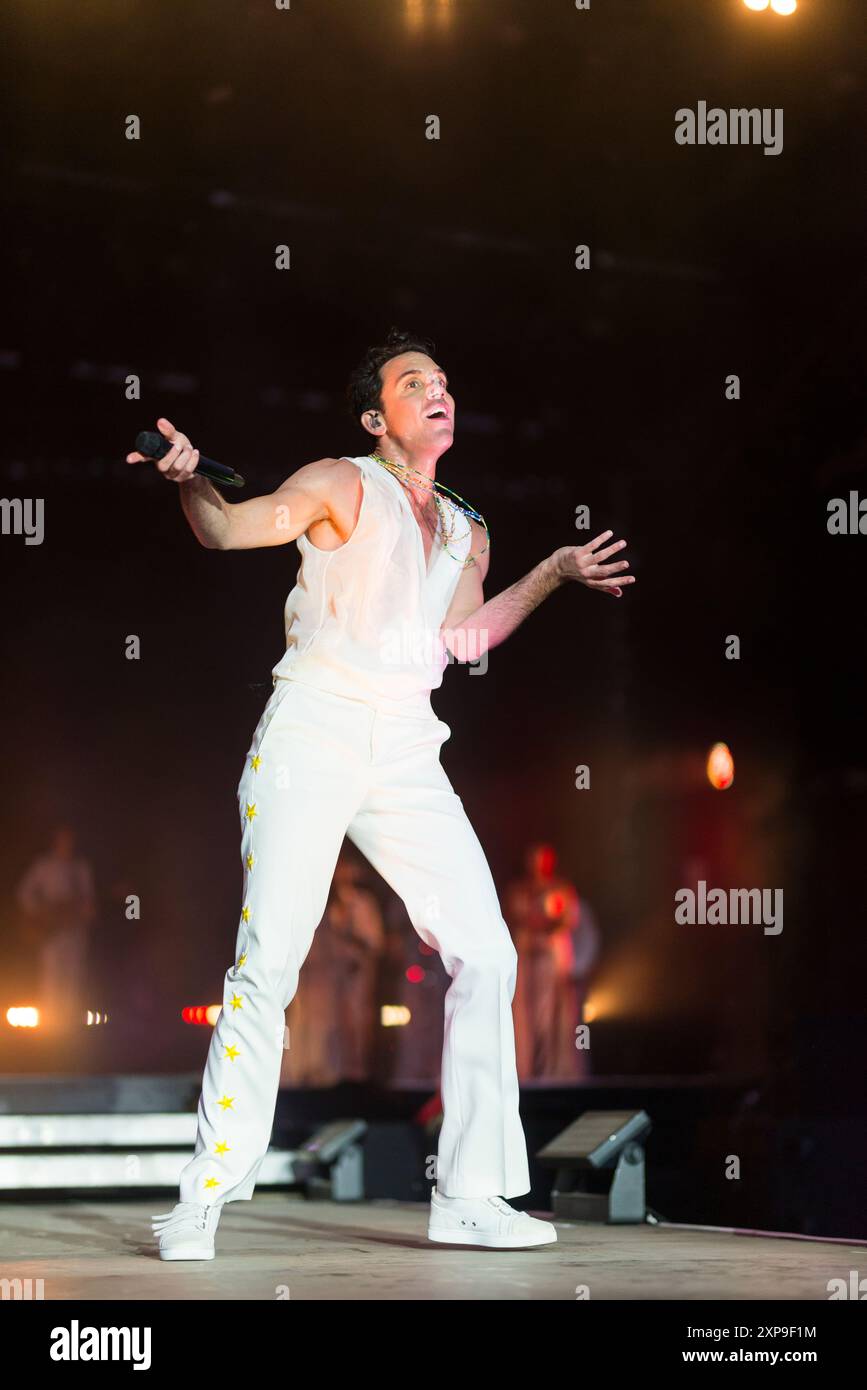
(281, 1246)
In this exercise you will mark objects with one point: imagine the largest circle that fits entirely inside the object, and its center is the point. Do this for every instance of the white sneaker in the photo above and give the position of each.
(485, 1221)
(187, 1232)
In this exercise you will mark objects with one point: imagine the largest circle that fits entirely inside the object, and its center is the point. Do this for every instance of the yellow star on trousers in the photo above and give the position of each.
(256, 763)
(249, 861)
(221, 1148)
(236, 1001)
(232, 1053)
(245, 913)
(211, 1182)
(250, 811)
(226, 1102)
(241, 960)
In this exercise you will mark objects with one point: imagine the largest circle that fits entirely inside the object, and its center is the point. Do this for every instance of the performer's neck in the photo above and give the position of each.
(422, 461)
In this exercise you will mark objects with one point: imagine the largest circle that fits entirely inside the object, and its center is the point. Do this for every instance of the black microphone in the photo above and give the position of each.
(155, 446)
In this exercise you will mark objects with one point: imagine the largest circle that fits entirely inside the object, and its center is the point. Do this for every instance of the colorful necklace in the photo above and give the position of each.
(404, 470)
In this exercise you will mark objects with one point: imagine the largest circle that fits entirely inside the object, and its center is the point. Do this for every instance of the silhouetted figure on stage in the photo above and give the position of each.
(573, 1062)
(420, 986)
(542, 910)
(358, 941)
(57, 898)
(334, 1016)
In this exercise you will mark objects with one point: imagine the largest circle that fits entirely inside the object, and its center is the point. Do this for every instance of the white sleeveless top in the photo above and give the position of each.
(364, 620)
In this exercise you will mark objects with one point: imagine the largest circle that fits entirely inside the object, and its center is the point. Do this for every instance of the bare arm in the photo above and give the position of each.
(272, 519)
(207, 512)
(473, 627)
(275, 518)
(488, 624)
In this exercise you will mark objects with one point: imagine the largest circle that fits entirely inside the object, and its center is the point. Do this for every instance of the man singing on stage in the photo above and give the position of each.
(390, 586)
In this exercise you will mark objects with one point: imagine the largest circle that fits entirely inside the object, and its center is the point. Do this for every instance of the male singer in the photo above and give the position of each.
(390, 585)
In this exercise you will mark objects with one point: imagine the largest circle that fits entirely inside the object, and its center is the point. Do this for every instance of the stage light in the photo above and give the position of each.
(778, 6)
(444, 13)
(720, 767)
(584, 1151)
(95, 1016)
(415, 974)
(22, 1017)
(419, 14)
(394, 1015)
(607, 1001)
(545, 860)
(201, 1013)
(554, 904)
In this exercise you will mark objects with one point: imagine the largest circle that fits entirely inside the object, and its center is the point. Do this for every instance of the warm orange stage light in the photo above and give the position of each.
(394, 1016)
(720, 767)
(22, 1016)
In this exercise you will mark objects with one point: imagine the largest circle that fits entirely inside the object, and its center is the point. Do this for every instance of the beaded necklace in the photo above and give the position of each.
(402, 471)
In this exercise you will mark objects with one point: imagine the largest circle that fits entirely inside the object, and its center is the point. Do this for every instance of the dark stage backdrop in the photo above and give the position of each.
(603, 387)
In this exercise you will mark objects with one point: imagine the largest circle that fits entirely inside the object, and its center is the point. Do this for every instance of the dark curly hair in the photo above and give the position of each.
(364, 390)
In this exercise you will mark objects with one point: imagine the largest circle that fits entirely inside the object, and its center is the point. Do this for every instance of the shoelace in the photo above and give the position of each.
(503, 1206)
(183, 1215)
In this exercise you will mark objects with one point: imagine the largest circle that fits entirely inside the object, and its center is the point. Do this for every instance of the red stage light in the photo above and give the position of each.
(545, 859)
(555, 904)
(199, 1013)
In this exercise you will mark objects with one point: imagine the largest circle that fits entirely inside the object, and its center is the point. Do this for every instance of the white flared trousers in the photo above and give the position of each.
(322, 766)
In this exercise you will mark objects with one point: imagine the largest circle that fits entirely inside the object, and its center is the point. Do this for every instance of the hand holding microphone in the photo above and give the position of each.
(176, 458)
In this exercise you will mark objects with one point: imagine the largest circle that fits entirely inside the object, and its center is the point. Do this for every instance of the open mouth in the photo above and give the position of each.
(438, 414)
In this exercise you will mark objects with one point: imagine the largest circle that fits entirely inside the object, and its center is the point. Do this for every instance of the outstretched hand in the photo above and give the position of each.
(584, 563)
(180, 462)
